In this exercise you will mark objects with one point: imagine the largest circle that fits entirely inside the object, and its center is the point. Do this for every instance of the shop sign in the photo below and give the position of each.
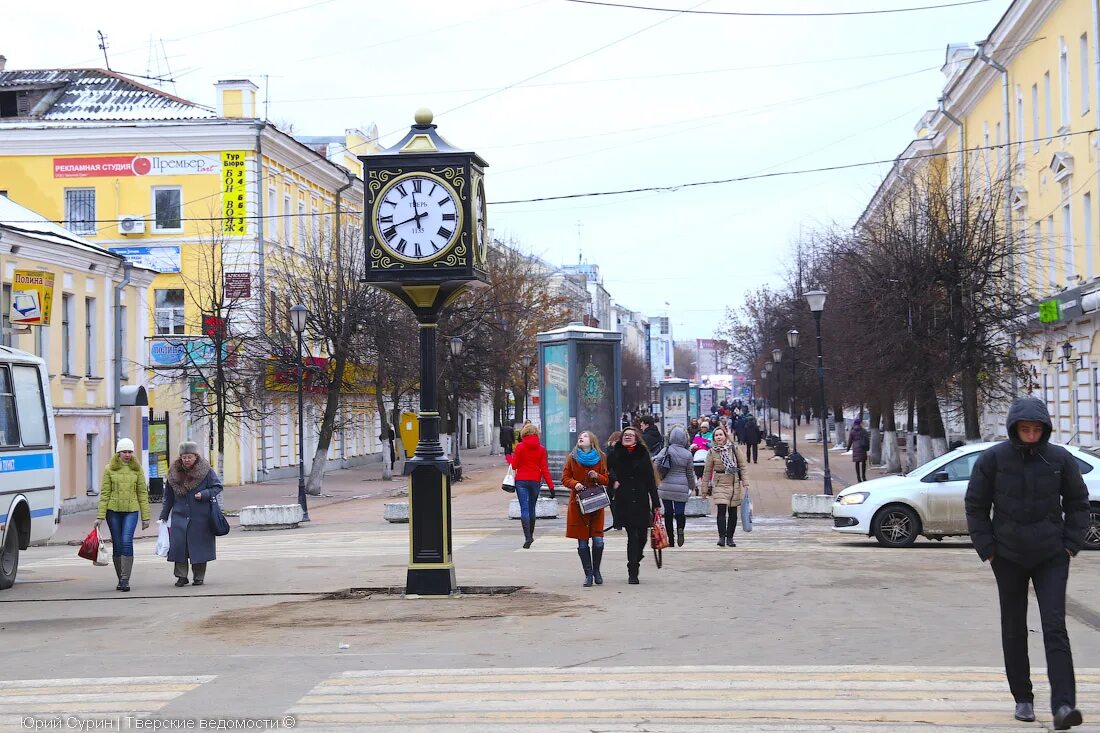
(167, 352)
(1049, 311)
(114, 166)
(31, 298)
(159, 259)
(238, 285)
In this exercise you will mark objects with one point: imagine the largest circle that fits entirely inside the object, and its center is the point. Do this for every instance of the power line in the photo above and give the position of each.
(777, 15)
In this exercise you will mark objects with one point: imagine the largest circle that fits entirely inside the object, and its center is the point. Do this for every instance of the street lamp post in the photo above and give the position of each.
(792, 341)
(456, 351)
(816, 300)
(298, 316)
(777, 356)
(526, 388)
(768, 366)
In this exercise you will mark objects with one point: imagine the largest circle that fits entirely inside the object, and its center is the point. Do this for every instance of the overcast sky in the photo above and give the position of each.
(564, 98)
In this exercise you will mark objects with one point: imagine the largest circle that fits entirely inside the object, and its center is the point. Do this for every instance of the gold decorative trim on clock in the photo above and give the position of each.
(419, 144)
(423, 295)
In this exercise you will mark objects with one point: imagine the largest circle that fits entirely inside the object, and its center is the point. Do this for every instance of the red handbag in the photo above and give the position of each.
(658, 537)
(89, 548)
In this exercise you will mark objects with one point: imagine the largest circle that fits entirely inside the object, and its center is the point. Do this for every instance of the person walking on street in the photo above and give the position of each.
(752, 439)
(584, 468)
(859, 442)
(677, 484)
(193, 485)
(123, 495)
(1040, 508)
(724, 476)
(507, 438)
(651, 436)
(634, 482)
(529, 462)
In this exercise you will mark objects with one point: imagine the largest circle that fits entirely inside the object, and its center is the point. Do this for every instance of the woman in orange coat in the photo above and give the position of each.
(585, 467)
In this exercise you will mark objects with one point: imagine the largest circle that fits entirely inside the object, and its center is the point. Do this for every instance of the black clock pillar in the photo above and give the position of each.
(426, 263)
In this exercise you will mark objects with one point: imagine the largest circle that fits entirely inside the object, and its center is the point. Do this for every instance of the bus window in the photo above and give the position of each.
(32, 410)
(9, 434)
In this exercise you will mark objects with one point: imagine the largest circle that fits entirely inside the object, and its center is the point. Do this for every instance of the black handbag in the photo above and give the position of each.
(592, 499)
(219, 525)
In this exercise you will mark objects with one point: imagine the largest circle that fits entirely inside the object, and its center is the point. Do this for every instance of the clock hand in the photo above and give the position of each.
(417, 213)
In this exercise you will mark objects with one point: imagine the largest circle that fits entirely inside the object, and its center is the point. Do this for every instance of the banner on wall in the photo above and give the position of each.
(114, 166)
(234, 193)
(31, 298)
(160, 259)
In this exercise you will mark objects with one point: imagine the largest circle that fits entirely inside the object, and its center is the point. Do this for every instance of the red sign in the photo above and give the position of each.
(213, 327)
(238, 285)
(115, 165)
(135, 165)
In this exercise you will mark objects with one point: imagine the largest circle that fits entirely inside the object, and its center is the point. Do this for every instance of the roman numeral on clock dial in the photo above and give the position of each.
(421, 217)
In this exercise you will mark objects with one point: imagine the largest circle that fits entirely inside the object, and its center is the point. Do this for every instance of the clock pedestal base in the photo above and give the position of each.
(431, 570)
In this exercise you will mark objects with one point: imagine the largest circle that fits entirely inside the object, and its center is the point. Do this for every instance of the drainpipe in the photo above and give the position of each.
(1009, 166)
(126, 267)
(261, 282)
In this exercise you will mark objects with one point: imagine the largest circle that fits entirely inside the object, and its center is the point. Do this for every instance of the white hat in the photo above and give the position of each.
(124, 444)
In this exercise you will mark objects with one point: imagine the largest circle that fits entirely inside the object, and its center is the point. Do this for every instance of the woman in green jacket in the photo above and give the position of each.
(123, 495)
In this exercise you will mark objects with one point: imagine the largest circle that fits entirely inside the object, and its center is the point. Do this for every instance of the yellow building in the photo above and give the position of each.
(96, 297)
(1026, 101)
(168, 183)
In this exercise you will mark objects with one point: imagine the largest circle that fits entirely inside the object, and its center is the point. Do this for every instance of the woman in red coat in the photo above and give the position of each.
(585, 467)
(529, 462)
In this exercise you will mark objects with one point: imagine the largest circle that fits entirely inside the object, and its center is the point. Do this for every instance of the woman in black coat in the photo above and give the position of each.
(192, 485)
(634, 484)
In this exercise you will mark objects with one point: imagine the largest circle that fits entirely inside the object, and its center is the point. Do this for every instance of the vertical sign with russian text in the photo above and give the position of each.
(234, 193)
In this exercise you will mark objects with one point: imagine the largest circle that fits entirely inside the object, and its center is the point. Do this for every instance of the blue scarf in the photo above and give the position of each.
(588, 457)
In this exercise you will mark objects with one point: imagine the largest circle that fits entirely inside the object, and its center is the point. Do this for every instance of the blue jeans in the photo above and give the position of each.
(674, 508)
(528, 493)
(122, 526)
(596, 542)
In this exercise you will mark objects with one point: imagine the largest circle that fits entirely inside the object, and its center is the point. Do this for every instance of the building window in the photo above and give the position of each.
(67, 334)
(1020, 128)
(167, 202)
(90, 463)
(1084, 54)
(302, 225)
(1048, 117)
(270, 214)
(5, 317)
(80, 210)
(1067, 241)
(1063, 82)
(42, 341)
(286, 221)
(1000, 150)
(1025, 265)
(123, 335)
(1037, 247)
(89, 337)
(168, 311)
(1052, 255)
(1090, 265)
(1035, 133)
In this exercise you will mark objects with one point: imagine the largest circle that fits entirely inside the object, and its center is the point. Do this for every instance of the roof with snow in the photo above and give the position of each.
(88, 94)
(21, 220)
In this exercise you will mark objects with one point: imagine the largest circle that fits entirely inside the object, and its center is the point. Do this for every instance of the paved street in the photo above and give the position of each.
(796, 629)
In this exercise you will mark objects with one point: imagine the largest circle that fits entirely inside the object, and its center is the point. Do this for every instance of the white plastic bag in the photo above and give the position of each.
(103, 557)
(163, 540)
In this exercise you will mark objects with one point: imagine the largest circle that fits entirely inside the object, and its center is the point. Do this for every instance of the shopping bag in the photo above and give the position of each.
(219, 525)
(746, 513)
(509, 482)
(89, 548)
(103, 557)
(163, 539)
(658, 537)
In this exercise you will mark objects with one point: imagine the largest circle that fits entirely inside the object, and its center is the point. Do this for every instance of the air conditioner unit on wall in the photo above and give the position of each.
(131, 224)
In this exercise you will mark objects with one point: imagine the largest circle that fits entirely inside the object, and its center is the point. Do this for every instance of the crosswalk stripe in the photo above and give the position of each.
(103, 697)
(842, 699)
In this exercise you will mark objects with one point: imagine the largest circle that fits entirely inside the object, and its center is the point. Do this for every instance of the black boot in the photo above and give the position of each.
(586, 563)
(526, 533)
(731, 527)
(681, 522)
(597, 556)
(632, 573)
(722, 529)
(532, 537)
(668, 531)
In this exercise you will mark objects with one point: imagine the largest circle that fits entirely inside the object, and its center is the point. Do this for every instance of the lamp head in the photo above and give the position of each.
(456, 346)
(1067, 350)
(816, 299)
(1048, 354)
(768, 367)
(792, 338)
(298, 315)
(777, 355)
(526, 361)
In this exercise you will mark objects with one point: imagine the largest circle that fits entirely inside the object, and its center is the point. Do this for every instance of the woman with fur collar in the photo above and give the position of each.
(193, 485)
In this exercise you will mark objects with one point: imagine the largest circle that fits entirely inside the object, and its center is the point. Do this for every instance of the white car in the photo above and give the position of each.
(929, 501)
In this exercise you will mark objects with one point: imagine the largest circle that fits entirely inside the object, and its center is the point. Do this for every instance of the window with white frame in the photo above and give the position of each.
(5, 317)
(80, 210)
(1000, 150)
(1090, 264)
(168, 311)
(1067, 240)
(1037, 248)
(1048, 116)
(1024, 249)
(89, 337)
(42, 342)
(1063, 82)
(67, 334)
(1083, 53)
(286, 220)
(301, 225)
(1035, 133)
(1052, 253)
(270, 214)
(167, 205)
(1020, 122)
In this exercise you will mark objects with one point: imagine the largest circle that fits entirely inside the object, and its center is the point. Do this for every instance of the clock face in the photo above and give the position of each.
(417, 217)
(482, 224)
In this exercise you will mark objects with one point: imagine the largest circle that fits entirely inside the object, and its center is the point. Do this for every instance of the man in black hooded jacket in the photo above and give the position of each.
(1040, 510)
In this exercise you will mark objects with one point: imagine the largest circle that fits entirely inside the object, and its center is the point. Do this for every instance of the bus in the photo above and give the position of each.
(30, 492)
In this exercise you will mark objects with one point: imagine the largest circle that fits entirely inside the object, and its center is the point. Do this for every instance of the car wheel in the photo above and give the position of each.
(9, 558)
(1092, 532)
(896, 526)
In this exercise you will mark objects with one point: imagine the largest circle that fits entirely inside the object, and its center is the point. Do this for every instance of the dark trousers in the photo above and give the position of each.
(636, 539)
(726, 529)
(861, 470)
(180, 570)
(1049, 579)
(751, 451)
